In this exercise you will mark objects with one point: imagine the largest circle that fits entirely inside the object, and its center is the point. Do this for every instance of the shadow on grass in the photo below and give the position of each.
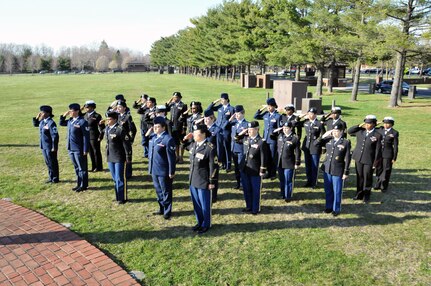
(18, 145)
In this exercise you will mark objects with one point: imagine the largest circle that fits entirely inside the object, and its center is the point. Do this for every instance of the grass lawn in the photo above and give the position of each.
(384, 243)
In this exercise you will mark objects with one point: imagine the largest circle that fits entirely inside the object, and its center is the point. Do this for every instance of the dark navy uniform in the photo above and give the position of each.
(271, 122)
(238, 147)
(176, 109)
(390, 139)
(288, 156)
(253, 163)
(78, 145)
(48, 143)
(367, 156)
(335, 165)
(313, 130)
(215, 138)
(190, 120)
(118, 152)
(126, 121)
(224, 112)
(161, 165)
(203, 168)
(330, 123)
(147, 115)
(93, 118)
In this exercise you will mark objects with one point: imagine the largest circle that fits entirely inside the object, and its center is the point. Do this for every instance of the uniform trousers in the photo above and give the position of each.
(383, 173)
(311, 167)
(364, 180)
(95, 155)
(272, 166)
(223, 150)
(144, 142)
(81, 168)
(333, 191)
(201, 199)
(117, 173)
(237, 157)
(251, 186)
(52, 164)
(163, 185)
(286, 182)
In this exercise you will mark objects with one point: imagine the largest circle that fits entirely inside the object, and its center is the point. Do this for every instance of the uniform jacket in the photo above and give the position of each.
(296, 129)
(118, 144)
(216, 132)
(328, 123)
(48, 133)
(256, 156)
(147, 116)
(271, 122)
(223, 116)
(129, 126)
(288, 151)
(203, 165)
(368, 149)
(190, 120)
(238, 143)
(161, 156)
(313, 130)
(337, 160)
(93, 120)
(389, 143)
(78, 135)
(176, 109)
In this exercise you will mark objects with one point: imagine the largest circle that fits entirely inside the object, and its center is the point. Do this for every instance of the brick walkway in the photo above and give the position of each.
(37, 251)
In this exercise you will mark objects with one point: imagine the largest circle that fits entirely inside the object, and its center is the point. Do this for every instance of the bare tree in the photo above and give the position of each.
(102, 63)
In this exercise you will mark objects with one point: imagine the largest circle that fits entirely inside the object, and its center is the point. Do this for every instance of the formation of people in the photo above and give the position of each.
(226, 141)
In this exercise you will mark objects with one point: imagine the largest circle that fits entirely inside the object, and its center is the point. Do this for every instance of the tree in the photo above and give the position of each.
(102, 64)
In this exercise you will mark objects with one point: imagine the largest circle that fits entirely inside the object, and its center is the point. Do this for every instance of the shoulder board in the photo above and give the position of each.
(211, 145)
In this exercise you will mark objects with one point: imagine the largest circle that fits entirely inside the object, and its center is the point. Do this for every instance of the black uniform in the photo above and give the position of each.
(126, 121)
(292, 118)
(288, 156)
(93, 119)
(367, 156)
(329, 123)
(389, 155)
(176, 110)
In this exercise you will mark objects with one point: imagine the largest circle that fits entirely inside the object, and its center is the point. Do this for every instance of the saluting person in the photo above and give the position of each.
(118, 153)
(125, 119)
(367, 155)
(203, 168)
(335, 167)
(253, 167)
(390, 138)
(176, 107)
(93, 118)
(333, 118)
(161, 164)
(48, 141)
(290, 116)
(239, 126)
(224, 112)
(78, 144)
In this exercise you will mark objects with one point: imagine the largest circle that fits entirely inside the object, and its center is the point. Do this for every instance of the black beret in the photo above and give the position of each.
(208, 113)
(112, 114)
(159, 120)
(120, 97)
(239, 108)
(74, 106)
(313, 110)
(152, 99)
(177, 93)
(253, 124)
(271, 101)
(338, 126)
(144, 96)
(90, 103)
(288, 124)
(224, 95)
(122, 103)
(46, 109)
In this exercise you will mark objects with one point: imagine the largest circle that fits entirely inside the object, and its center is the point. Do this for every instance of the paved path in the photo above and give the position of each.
(37, 251)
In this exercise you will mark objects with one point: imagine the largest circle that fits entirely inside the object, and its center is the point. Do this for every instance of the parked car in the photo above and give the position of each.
(386, 87)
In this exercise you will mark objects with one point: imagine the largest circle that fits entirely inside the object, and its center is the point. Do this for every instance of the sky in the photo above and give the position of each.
(123, 24)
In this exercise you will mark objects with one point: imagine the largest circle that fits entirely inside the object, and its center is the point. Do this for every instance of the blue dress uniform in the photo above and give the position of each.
(161, 165)
(238, 143)
(271, 122)
(203, 168)
(93, 118)
(288, 156)
(118, 152)
(254, 162)
(78, 143)
(48, 143)
(336, 164)
(224, 112)
(313, 130)
(367, 156)
(390, 138)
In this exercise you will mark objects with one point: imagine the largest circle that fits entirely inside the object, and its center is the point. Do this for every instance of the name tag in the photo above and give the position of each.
(289, 142)
(227, 113)
(161, 145)
(76, 125)
(273, 120)
(340, 147)
(200, 156)
(315, 127)
(113, 135)
(255, 146)
(373, 139)
(46, 127)
(391, 135)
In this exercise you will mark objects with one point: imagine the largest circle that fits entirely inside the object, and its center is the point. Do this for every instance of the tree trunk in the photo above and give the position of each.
(399, 70)
(227, 73)
(319, 72)
(298, 73)
(248, 69)
(331, 74)
(233, 73)
(356, 77)
(219, 73)
(400, 87)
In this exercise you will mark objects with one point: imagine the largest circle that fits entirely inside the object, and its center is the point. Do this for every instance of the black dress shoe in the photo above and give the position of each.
(121, 202)
(288, 200)
(307, 185)
(203, 230)
(167, 216)
(237, 187)
(327, 211)
(366, 200)
(48, 182)
(384, 190)
(196, 227)
(335, 213)
(254, 213)
(78, 190)
(158, 213)
(55, 182)
(75, 188)
(355, 198)
(246, 210)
